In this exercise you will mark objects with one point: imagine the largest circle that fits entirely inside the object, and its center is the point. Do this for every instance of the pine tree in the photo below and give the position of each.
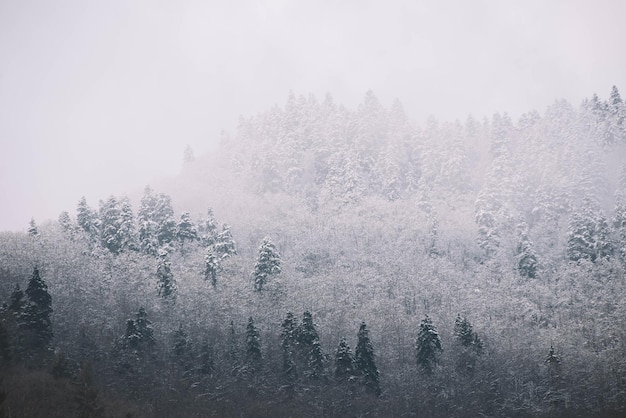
(470, 345)
(16, 301)
(428, 346)
(289, 344)
(185, 229)
(33, 231)
(36, 319)
(603, 241)
(110, 224)
(166, 285)
(147, 222)
(309, 346)
(164, 217)
(364, 363)
(66, 222)
(268, 263)
(526, 258)
(207, 229)
(126, 233)
(211, 266)
(344, 361)
(225, 244)
(581, 237)
(253, 346)
(88, 220)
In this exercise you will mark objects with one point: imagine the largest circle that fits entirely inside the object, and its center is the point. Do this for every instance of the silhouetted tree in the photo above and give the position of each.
(364, 362)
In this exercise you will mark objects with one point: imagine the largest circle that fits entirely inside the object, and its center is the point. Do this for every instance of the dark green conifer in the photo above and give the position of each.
(344, 361)
(253, 346)
(364, 362)
(36, 319)
(428, 346)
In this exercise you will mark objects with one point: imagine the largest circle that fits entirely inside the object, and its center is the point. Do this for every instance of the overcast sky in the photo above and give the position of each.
(100, 97)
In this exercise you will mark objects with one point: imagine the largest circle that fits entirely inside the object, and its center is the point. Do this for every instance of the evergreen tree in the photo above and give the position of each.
(428, 346)
(603, 241)
(36, 317)
(33, 231)
(253, 346)
(164, 217)
(309, 346)
(126, 233)
(289, 344)
(16, 301)
(207, 229)
(5, 345)
(225, 244)
(110, 224)
(185, 229)
(66, 222)
(526, 258)
(88, 219)
(182, 349)
(344, 361)
(470, 345)
(619, 222)
(364, 363)
(211, 266)
(581, 237)
(166, 285)
(268, 263)
(144, 334)
(147, 222)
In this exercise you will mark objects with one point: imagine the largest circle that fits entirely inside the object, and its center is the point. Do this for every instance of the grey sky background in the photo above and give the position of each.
(100, 97)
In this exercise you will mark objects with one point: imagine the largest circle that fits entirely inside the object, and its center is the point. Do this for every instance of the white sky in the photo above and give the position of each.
(99, 97)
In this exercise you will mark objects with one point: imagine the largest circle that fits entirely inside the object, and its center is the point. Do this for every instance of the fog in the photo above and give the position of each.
(103, 97)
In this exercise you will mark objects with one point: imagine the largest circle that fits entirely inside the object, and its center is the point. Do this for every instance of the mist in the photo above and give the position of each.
(103, 97)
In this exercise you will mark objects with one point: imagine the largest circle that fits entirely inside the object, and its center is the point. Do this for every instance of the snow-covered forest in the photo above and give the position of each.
(327, 261)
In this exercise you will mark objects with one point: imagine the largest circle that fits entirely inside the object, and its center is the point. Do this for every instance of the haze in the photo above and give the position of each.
(102, 97)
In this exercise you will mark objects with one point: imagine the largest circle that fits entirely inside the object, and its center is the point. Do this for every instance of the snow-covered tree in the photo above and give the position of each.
(16, 301)
(127, 231)
(364, 361)
(581, 237)
(253, 346)
(33, 231)
(66, 222)
(224, 243)
(344, 361)
(110, 224)
(36, 317)
(185, 229)
(309, 346)
(604, 246)
(526, 257)
(428, 346)
(166, 285)
(211, 266)
(87, 219)
(267, 264)
(148, 223)
(208, 229)
(289, 343)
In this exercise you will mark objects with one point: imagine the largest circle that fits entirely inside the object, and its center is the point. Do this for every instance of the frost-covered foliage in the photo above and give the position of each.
(267, 264)
(428, 346)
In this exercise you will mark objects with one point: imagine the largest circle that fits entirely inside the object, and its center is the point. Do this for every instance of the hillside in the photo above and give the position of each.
(486, 259)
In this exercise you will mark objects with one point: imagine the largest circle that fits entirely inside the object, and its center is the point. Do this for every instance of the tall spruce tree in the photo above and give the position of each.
(344, 361)
(166, 285)
(289, 343)
(253, 346)
(186, 231)
(147, 223)
(33, 231)
(87, 219)
(224, 243)
(207, 229)
(268, 263)
(469, 345)
(428, 346)
(36, 319)
(526, 257)
(364, 362)
(309, 347)
(211, 266)
(110, 224)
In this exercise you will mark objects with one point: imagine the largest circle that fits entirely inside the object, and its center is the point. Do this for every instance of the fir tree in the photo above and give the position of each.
(16, 301)
(428, 346)
(225, 244)
(166, 285)
(87, 219)
(470, 345)
(603, 241)
(207, 229)
(185, 229)
(66, 222)
(253, 346)
(268, 264)
(139, 334)
(164, 217)
(33, 231)
(364, 363)
(126, 233)
(110, 224)
(289, 344)
(309, 346)
(344, 361)
(36, 317)
(211, 266)
(182, 349)
(581, 237)
(526, 258)
(147, 222)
